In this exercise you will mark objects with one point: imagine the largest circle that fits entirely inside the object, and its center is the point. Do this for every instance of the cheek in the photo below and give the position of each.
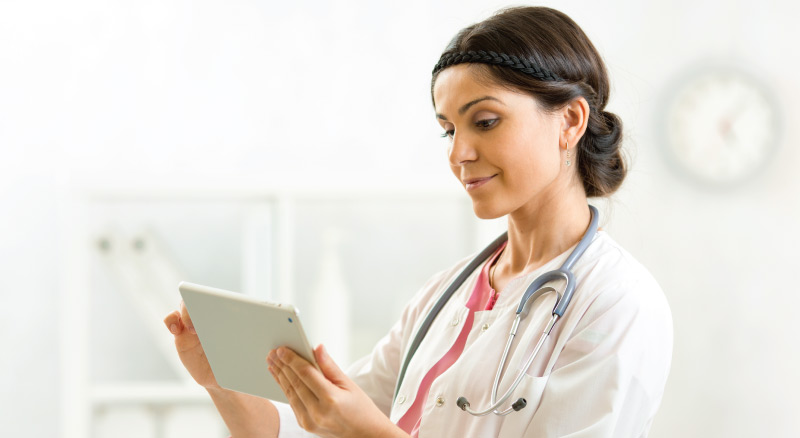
(532, 165)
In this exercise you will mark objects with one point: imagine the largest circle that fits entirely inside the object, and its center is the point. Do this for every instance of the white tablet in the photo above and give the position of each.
(237, 332)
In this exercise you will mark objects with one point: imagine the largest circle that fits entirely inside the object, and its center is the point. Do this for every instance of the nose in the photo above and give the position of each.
(462, 150)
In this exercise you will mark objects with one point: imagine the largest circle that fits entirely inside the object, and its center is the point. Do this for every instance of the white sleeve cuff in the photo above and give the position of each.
(288, 423)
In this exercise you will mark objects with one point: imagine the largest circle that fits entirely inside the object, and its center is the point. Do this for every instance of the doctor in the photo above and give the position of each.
(520, 98)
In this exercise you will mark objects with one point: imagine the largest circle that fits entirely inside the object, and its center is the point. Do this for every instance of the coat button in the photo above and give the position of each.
(485, 327)
(401, 399)
(454, 322)
(439, 401)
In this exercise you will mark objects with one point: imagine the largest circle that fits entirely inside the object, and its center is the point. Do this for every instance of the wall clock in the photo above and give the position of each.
(720, 125)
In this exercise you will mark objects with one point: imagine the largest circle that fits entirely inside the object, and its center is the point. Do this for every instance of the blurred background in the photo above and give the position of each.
(288, 150)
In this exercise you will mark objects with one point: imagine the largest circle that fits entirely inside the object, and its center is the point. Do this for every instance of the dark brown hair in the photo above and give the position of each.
(553, 41)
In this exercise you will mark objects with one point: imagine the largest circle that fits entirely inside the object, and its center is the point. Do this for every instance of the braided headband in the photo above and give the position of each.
(489, 57)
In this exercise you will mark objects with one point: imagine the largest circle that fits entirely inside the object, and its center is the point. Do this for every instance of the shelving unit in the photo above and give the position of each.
(275, 254)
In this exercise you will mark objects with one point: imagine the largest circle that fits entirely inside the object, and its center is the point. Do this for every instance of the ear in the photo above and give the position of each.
(574, 120)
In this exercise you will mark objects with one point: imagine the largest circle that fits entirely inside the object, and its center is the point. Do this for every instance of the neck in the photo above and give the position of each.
(537, 234)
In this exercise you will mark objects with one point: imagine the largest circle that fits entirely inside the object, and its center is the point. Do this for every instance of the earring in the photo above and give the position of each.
(569, 155)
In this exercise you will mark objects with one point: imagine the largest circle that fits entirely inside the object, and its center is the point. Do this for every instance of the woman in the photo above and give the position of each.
(521, 98)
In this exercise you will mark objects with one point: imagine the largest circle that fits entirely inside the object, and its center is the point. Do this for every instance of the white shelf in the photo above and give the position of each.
(148, 394)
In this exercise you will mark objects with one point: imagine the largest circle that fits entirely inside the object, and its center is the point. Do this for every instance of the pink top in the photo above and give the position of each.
(483, 298)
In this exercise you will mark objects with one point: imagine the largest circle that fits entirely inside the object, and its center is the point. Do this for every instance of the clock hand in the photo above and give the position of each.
(726, 126)
(727, 133)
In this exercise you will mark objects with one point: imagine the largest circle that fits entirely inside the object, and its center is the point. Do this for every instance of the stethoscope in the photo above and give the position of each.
(536, 289)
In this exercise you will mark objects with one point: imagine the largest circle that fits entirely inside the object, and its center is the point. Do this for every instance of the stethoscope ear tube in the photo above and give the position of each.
(520, 403)
(537, 288)
(463, 404)
(528, 303)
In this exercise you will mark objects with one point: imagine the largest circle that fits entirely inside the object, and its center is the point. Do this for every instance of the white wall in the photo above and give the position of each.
(312, 93)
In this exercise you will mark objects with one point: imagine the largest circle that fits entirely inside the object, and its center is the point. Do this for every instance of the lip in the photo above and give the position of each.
(474, 183)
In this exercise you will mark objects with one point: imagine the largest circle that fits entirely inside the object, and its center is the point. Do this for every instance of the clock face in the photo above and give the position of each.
(721, 126)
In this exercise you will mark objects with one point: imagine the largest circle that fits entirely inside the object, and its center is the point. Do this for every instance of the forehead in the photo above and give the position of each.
(458, 80)
(463, 83)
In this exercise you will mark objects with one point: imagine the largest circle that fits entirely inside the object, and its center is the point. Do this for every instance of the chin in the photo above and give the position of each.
(487, 211)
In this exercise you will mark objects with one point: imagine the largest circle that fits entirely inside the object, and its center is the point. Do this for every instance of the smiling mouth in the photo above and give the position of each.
(474, 183)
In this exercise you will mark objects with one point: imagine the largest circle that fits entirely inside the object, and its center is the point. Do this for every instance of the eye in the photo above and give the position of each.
(449, 130)
(486, 123)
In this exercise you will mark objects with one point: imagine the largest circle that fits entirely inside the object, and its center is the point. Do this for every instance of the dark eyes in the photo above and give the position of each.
(485, 125)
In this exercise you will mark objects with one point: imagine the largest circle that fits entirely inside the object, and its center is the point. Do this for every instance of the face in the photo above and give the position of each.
(502, 147)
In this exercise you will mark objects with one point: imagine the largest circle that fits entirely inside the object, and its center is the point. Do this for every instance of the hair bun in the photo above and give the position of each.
(600, 155)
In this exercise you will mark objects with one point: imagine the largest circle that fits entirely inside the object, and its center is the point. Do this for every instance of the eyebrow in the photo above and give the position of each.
(467, 106)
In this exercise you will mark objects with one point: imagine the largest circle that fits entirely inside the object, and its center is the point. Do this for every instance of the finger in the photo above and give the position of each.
(310, 376)
(294, 386)
(294, 401)
(303, 402)
(187, 320)
(300, 412)
(276, 366)
(173, 322)
(330, 370)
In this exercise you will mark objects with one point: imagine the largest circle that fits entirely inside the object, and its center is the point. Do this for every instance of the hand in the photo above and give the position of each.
(327, 404)
(189, 349)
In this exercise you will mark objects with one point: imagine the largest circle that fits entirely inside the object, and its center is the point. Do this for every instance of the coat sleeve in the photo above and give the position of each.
(609, 377)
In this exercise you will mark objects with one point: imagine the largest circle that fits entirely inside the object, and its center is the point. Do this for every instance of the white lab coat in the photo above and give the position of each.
(601, 373)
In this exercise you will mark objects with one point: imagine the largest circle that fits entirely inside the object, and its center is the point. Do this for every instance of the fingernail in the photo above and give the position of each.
(270, 362)
(173, 329)
(192, 330)
(281, 353)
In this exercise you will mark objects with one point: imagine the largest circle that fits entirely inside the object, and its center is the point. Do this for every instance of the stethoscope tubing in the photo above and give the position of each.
(535, 290)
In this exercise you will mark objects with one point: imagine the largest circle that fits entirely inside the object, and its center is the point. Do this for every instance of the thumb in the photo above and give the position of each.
(329, 369)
